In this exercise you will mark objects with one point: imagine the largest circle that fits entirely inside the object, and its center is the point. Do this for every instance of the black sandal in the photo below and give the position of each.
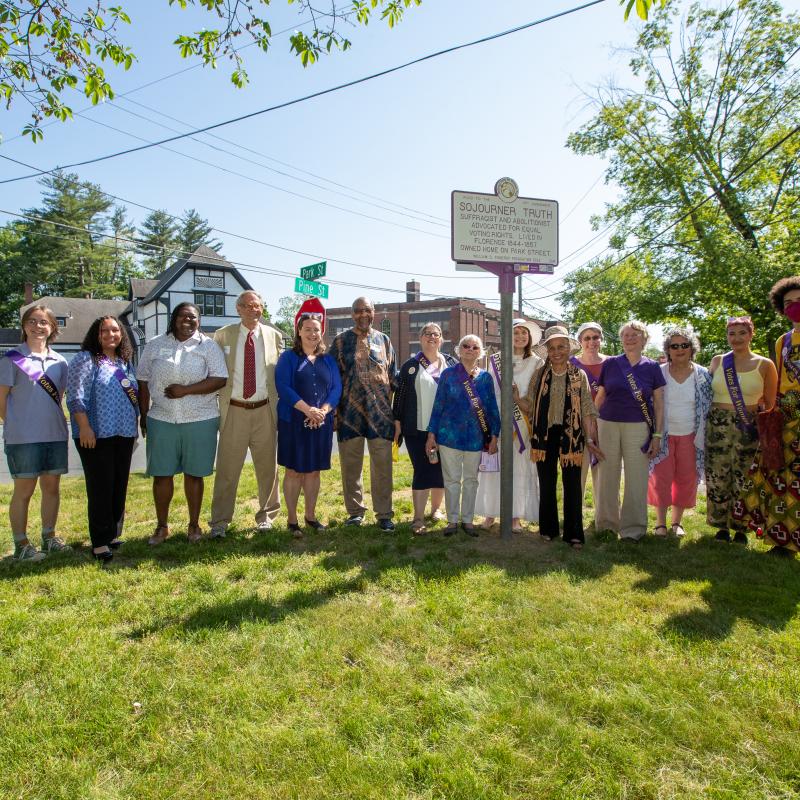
(660, 528)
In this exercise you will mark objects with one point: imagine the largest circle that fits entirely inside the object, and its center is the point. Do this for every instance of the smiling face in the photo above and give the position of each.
(590, 341)
(739, 337)
(109, 336)
(186, 323)
(310, 333)
(431, 338)
(469, 351)
(38, 327)
(363, 314)
(250, 309)
(558, 352)
(632, 340)
(679, 351)
(522, 337)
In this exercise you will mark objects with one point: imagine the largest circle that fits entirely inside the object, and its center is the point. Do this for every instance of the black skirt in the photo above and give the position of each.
(426, 475)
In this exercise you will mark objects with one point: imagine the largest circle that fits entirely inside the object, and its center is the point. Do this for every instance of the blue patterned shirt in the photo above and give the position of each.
(453, 420)
(93, 389)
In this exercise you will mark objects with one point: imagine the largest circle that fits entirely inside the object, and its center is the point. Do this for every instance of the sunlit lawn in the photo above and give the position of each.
(355, 664)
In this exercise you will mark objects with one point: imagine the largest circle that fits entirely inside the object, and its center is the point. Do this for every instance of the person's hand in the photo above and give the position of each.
(492, 445)
(175, 391)
(596, 451)
(396, 431)
(655, 446)
(143, 426)
(515, 392)
(86, 437)
(430, 443)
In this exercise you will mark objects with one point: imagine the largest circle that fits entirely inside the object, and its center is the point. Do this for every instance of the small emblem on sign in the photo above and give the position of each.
(507, 189)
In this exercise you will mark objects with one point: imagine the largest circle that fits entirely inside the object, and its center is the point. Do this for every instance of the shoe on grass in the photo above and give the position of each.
(386, 525)
(722, 536)
(740, 537)
(354, 520)
(55, 544)
(28, 552)
(218, 531)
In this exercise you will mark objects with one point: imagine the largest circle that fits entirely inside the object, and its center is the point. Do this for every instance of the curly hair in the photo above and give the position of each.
(684, 332)
(780, 289)
(635, 325)
(91, 342)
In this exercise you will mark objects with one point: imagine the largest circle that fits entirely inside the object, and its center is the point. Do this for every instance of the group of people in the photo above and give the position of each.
(202, 402)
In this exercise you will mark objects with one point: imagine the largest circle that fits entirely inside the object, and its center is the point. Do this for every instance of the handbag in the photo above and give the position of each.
(770, 439)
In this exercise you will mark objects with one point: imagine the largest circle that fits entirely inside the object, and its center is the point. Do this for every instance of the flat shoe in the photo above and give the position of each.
(194, 534)
(103, 558)
(418, 526)
(450, 530)
(315, 524)
(116, 544)
(677, 529)
(576, 545)
(660, 528)
(469, 529)
(159, 535)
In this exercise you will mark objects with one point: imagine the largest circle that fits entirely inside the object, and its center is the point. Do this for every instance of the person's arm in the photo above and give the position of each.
(80, 377)
(770, 375)
(284, 370)
(658, 406)
(712, 367)
(589, 419)
(207, 386)
(335, 394)
(144, 405)
(4, 390)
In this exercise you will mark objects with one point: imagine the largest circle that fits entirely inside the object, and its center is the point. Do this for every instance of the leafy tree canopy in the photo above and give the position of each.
(47, 48)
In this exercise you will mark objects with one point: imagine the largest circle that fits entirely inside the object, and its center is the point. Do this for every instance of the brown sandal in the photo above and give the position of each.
(158, 537)
(194, 533)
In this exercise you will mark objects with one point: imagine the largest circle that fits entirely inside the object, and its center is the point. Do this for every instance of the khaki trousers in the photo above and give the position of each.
(351, 460)
(460, 475)
(621, 442)
(253, 429)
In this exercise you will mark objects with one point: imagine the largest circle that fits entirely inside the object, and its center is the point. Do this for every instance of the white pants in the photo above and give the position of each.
(460, 475)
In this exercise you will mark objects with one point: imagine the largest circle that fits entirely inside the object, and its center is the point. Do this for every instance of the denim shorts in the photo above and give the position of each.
(175, 447)
(37, 458)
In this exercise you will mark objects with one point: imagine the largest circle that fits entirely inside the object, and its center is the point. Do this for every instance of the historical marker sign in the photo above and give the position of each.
(314, 271)
(302, 286)
(504, 229)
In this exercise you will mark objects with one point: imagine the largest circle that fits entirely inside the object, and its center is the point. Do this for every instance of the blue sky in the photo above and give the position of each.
(460, 121)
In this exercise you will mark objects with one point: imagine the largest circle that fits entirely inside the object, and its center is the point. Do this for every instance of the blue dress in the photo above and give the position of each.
(301, 448)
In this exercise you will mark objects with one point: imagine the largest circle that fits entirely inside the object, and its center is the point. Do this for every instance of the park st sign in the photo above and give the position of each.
(307, 284)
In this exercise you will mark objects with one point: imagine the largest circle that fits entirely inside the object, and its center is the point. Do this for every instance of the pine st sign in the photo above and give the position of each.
(302, 286)
(503, 228)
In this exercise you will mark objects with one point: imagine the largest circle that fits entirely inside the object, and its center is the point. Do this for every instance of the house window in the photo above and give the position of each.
(210, 305)
(386, 327)
(62, 321)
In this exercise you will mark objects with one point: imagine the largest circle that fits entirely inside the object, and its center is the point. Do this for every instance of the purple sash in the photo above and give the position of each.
(494, 360)
(785, 352)
(124, 381)
(35, 374)
(743, 422)
(475, 401)
(425, 364)
(638, 396)
(593, 384)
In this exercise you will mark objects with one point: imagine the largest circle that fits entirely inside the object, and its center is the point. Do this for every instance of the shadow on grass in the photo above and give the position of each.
(737, 583)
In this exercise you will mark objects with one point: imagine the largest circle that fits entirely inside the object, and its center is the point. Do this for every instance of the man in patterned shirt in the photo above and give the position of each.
(369, 372)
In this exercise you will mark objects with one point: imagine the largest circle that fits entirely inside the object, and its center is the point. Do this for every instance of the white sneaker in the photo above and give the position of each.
(29, 553)
(218, 531)
(265, 525)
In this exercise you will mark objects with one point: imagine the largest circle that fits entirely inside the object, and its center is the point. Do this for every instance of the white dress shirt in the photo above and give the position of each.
(237, 386)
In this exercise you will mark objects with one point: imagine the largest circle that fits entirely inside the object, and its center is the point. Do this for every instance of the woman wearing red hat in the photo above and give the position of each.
(309, 388)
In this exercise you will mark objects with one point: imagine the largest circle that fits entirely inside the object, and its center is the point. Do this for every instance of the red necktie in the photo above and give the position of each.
(249, 385)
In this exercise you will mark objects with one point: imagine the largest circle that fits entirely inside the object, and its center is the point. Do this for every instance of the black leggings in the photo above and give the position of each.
(106, 467)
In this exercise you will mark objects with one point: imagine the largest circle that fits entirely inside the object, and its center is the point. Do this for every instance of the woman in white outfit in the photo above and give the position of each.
(526, 485)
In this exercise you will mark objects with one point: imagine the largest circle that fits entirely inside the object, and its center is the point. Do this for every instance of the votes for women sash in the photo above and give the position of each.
(638, 396)
(495, 361)
(36, 374)
(475, 402)
(743, 421)
(124, 381)
(426, 365)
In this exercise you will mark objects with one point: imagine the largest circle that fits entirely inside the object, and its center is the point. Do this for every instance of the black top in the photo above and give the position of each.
(404, 405)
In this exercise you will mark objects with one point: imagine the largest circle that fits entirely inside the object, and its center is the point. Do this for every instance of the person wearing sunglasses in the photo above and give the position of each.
(247, 414)
(465, 422)
(680, 462)
(743, 383)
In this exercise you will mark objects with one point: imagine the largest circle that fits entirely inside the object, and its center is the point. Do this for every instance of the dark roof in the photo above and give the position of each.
(10, 335)
(141, 287)
(203, 256)
(79, 313)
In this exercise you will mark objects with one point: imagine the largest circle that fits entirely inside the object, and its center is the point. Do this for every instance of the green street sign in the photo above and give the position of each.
(314, 271)
(302, 286)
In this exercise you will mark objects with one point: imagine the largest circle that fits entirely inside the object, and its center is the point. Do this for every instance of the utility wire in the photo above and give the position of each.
(313, 95)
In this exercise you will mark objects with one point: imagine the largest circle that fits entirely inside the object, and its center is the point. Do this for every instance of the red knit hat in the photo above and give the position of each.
(311, 308)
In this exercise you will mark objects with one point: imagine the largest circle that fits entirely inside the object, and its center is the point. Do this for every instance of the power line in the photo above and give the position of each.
(314, 95)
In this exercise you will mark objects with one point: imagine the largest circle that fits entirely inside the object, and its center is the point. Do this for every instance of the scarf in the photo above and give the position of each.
(572, 441)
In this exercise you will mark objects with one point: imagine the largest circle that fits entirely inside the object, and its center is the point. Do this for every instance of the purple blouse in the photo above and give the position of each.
(620, 404)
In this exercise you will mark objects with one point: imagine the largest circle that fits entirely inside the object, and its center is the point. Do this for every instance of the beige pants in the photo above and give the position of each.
(253, 429)
(351, 460)
(621, 443)
(460, 476)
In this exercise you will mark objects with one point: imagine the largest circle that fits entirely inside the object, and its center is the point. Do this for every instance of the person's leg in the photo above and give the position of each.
(451, 475)
(380, 477)
(18, 510)
(573, 504)
(719, 458)
(469, 485)
(292, 484)
(263, 449)
(606, 499)
(98, 474)
(437, 498)
(231, 453)
(121, 462)
(311, 484)
(684, 486)
(193, 489)
(351, 461)
(548, 478)
(420, 500)
(163, 489)
(743, 454)
(660, 486)
(633, 514)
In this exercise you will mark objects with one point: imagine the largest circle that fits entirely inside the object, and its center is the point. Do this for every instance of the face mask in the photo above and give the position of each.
(793, 311)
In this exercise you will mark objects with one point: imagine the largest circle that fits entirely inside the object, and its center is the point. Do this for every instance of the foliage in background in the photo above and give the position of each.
(705, 153)
(287, 309)
(49, 48)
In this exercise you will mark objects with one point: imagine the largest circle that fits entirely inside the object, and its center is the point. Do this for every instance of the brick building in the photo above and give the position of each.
(403, 321)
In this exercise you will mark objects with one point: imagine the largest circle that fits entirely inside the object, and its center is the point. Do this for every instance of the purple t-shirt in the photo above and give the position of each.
(620, 404)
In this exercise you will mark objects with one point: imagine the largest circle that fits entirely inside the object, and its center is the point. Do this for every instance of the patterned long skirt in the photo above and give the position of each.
(729, 454)
(770, 502)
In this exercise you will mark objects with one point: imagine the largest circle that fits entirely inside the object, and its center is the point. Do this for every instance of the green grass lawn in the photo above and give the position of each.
(354, 664)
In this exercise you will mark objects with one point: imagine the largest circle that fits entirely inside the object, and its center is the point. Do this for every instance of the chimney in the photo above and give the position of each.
(28, 292)
(412, 292)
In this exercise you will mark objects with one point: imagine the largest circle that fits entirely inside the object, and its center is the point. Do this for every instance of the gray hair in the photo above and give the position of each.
(365, 301)
(241, 296)
(687, 333)
(464, 339)
(636, 325)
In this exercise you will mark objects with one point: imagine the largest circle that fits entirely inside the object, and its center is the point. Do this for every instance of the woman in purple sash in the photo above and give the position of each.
(631, 404)
(412, 406)
(464, 423)
(742, 383)
(32, 381)
(103, 400)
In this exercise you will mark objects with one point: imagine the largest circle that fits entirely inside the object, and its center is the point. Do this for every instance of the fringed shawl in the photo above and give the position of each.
(572, 440)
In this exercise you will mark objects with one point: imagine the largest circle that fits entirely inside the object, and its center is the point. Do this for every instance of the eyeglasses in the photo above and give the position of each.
(310, 315)
(433, 334)
(37, 322)
(591, 338)
(679, 346)
(251, 306)
(362, 311)
(470, 347)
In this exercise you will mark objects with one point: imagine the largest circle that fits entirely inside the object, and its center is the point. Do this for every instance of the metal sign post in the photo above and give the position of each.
(507, 235)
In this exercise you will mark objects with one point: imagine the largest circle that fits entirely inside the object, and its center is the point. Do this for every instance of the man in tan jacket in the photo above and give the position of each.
(248, 406)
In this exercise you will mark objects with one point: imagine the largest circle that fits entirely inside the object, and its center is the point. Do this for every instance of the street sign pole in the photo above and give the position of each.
(506, 406)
